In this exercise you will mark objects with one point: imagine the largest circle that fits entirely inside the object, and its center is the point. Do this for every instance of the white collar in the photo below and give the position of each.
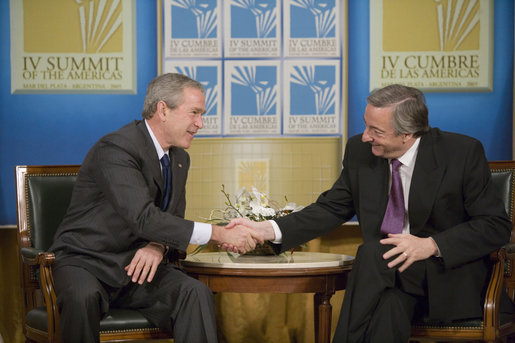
(409, 157)
(160, 151)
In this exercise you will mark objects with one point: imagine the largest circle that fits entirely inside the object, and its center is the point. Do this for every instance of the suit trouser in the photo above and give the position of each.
(379, 302)
(172, 301)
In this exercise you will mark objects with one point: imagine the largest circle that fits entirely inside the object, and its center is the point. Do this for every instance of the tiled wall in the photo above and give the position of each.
(298, 168)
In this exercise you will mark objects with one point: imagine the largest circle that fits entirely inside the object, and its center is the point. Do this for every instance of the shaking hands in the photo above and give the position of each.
(258, 232)
(240, 239)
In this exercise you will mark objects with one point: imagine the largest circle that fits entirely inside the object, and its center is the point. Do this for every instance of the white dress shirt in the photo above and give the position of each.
(406, 173)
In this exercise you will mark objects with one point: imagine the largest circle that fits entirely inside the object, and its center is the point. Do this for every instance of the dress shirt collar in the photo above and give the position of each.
(159, 150)
(409, 157)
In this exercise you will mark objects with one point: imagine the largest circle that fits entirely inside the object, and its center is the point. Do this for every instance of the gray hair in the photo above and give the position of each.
(410, 113)
(168, 88)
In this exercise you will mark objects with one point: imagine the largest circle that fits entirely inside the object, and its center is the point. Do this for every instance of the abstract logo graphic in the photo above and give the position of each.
(446, 25)
(456, 23)
(207, 76)
(194, 19)
(254, 90)
(313, 19)
(90, 26)
(98, 22)
(313, 90)
(253, 18)
(253, 173)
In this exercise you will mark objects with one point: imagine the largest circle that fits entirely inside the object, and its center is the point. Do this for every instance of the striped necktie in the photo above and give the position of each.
(393, 220)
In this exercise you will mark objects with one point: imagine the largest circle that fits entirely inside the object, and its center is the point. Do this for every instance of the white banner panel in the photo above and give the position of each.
(92, 51)
(455, 52)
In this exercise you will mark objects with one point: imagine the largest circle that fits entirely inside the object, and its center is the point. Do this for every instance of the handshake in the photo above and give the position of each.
(241, 235)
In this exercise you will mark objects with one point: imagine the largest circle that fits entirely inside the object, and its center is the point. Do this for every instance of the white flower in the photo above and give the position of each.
(263, 211)
(290, 206)
(259, 197)
(253, 205)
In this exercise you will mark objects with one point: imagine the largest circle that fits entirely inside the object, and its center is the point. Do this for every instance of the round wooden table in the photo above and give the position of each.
(301, 272)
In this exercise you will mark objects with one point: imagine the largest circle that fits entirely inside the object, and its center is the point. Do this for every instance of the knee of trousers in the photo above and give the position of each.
(372, 249)
(81, 298)
(199, 289)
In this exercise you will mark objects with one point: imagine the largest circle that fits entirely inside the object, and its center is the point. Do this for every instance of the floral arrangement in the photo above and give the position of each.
(253, 205)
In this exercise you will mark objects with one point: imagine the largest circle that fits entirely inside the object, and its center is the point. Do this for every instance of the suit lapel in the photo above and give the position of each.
(425, 183)
(177, 175)
(151, 153)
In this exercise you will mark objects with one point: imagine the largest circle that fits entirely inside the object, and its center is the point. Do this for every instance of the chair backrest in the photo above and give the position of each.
(503, 176)
(43, 194)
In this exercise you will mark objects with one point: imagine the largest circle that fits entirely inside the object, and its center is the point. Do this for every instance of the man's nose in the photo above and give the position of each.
(200, 122)
(366, 137)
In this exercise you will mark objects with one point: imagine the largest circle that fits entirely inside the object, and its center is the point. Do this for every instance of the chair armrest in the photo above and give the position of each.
(508, 254)
(44, 260)
(33, 256)
(510, 248)
(494, 290)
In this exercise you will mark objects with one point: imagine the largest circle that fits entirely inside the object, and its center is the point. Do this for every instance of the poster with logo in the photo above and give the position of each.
(192, 28)
(278, 63)
(92, 51)
(312, 28)
(251, 93)
(455, 54)
(310, 104)
(252, 29)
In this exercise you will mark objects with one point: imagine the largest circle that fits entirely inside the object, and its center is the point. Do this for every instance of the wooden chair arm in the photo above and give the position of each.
(46, 276)
(33, 256)
(493, 294)
(45, 260)
(510, 248)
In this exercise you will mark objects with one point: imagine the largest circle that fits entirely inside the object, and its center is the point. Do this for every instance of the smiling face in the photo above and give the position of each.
(179, 125)
(379, 132)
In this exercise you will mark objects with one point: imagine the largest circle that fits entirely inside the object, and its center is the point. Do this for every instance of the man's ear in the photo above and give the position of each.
(161, 110)
(407, 137)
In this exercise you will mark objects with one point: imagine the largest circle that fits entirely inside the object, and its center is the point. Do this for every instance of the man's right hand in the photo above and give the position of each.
(264, 227)
(144, 264)
(241, 239)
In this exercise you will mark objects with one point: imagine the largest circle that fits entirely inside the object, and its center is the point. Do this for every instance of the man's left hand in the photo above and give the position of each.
(145, 262)
(409, 249)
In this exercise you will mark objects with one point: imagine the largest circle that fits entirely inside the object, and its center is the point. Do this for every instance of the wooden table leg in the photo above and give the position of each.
(323, 313)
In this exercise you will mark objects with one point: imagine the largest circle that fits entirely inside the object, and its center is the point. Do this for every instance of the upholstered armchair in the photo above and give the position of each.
(42, 195)
(494, 326)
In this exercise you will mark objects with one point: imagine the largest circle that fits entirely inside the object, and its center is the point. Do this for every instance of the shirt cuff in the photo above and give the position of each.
(201, 233)
(278, 234)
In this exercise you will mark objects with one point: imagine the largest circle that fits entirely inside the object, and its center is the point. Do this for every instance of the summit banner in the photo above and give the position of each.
(92, 51)
(432, 45)
(269, 67)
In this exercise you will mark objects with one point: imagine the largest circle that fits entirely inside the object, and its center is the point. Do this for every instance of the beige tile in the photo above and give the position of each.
(299, 168)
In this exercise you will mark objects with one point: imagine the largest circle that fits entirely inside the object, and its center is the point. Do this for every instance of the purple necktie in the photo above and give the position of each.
(393, 220)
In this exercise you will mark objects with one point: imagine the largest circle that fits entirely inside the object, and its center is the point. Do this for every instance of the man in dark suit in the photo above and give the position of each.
(112, 245)
(432, 260)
